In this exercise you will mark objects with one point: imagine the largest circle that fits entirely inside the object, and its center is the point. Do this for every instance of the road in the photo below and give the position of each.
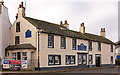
(102, 71)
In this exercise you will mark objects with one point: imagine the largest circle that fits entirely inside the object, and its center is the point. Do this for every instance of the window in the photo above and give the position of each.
(8, 54)
(50, 41)
(111, 60)
(74, 44)
(13, 56)
(54, 60)
(99, 46)
(63, 42)
(82, 59)
(111, 48)
(18, 27)
(24, 56)
(70, 59)
(90, 45)
(90, 59)
(17, 40)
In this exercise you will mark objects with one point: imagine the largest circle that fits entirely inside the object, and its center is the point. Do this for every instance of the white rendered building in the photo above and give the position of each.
(4, 29)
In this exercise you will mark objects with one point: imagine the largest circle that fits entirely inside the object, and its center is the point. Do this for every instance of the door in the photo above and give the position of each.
(98, 60)
(18, 56)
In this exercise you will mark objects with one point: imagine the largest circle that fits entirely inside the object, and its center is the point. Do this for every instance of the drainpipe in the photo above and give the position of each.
(38, 32)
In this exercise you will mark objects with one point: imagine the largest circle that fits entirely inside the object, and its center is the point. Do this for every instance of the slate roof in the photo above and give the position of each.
(21, 46)
(61, 30)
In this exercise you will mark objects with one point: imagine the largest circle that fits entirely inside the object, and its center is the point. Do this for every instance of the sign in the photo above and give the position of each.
(15, 61)
(24, 65)
(6, 61)
(6, 66)
(24, 61)
(82, 47)
(28, 34)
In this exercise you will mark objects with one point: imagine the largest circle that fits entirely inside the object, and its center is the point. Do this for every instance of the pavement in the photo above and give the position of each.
(82, 71)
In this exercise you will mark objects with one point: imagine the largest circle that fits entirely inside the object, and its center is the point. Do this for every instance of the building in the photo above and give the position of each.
(4, 29)
(117, 50)
(49, 46)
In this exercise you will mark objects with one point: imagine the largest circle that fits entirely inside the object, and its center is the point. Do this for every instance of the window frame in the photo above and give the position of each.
(74, 42)
(53, 56)
(70, 56)
(17, 26)
(90, 45)
(63, 40)
(17, 40)
(99, 46)
(91, 59)
(51, 41)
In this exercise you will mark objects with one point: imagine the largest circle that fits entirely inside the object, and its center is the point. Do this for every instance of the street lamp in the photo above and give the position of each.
(38, 32)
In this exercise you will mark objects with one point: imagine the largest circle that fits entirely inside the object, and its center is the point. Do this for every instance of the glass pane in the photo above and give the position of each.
(79, 59)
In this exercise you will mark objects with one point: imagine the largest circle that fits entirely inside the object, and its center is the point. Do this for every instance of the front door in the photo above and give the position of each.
(98, 60)
(18, 56)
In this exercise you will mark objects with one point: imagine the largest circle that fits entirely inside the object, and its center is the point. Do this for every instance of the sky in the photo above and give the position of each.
(95, 14)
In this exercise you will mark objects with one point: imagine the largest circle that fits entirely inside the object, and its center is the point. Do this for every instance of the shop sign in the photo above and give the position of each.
(24, 63)
(15, 61)
(6, 61)
(82, 47)
(6, 66)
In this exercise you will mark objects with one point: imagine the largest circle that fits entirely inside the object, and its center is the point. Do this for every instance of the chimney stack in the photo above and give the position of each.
(1, 2)
(65, 24)
(82, 28)
(21, 11)
(102, 32)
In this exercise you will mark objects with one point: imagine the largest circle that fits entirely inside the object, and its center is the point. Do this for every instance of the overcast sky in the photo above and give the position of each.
(96, 14)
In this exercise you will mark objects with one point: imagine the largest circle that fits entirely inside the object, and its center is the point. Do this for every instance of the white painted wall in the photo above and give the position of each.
(4, 25)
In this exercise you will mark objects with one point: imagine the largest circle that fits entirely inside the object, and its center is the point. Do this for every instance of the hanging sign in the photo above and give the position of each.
(82, 47)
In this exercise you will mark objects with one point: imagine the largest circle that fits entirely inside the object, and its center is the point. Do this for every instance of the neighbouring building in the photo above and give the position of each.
(4, 29)
(52, 46)
(118, 50)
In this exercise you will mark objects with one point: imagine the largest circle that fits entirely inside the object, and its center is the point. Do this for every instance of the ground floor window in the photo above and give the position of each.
(90, 59)
(70, 59)
(24, 56)
(82, 59)
(13, 56)
(54, 59)
(111, 59)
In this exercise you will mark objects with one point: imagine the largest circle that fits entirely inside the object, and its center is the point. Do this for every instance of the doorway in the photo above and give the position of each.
(98, 60)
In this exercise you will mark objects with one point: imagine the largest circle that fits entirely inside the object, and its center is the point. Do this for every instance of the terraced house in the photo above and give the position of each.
(49, 46)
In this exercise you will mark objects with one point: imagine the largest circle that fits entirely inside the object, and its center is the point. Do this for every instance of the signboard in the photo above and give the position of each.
(6, 62)
(15, 61)
(6, 66)
(24, 63)
(82, 47)
(28, 34)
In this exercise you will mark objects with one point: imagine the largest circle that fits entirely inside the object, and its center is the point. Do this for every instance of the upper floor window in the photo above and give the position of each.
(18, 27)
(63, 42)
(74, 44)
(17, 40)
(50, 41)
(90, 45)
(111, 48)
(99, 46)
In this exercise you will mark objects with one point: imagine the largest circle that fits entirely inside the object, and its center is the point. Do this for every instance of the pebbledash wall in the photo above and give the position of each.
(55, 57)
(4, 29)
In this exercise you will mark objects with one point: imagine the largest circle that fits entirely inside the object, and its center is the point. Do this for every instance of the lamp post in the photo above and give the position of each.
(38, 32)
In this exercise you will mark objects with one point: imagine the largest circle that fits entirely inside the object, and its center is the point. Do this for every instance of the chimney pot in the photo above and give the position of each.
(21, 4)
(65, 21)
(60, 22)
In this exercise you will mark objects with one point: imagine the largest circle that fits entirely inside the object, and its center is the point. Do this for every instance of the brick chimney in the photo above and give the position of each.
(21, 10)
(102, 32)
(82, 28)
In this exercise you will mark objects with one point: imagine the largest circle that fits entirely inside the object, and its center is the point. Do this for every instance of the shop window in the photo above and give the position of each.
(28, 34)
(70, 59)
(50, 41)
(63, 42)
(111, 60)
(18, 27)
(99, 46)
(74, 44)
(13, 56)
(90, 59)
(111, 48)
(18, 55)
(82, 59)
(24, 56)
(90, 45)
(54, 60)
(17, 40)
